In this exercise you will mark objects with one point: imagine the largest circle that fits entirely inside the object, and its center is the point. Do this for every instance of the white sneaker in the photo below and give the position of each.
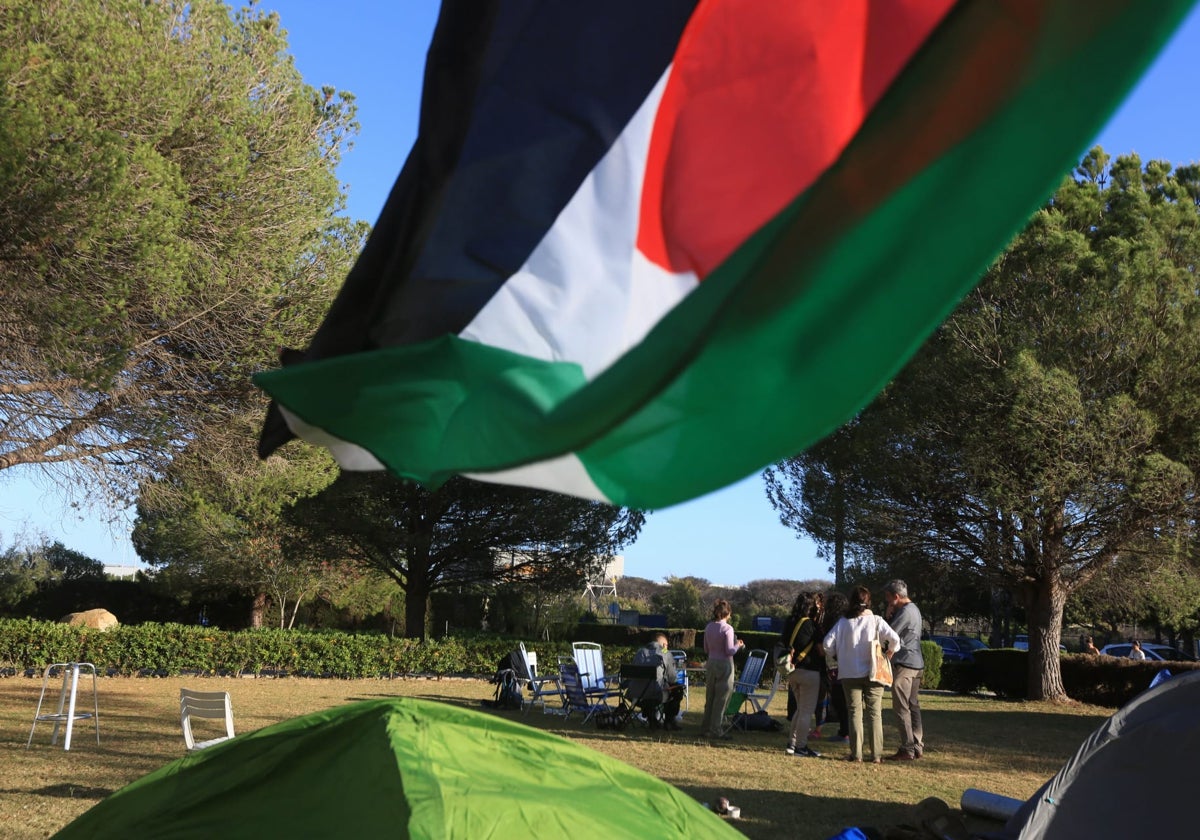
(790, 749)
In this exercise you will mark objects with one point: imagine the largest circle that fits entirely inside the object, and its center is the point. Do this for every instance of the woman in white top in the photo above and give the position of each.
(848, 650)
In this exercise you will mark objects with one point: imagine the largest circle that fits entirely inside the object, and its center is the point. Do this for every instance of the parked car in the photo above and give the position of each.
(958, 648)
(1157, 653)
(1021, 642)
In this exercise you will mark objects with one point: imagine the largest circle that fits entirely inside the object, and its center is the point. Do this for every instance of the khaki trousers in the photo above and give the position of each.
(860, 695)
(906, 703)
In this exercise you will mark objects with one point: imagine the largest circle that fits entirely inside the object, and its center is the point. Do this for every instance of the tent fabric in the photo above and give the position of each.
(397, 768)
(1132, 777)
(640, 250)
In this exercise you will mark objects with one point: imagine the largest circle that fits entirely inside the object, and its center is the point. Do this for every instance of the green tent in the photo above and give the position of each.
(397, 768)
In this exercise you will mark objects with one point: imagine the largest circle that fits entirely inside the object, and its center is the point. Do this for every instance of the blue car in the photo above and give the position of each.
(958, 648)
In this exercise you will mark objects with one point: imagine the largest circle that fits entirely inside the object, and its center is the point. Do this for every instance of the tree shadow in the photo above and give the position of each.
(66, 790)
(1032, 743)
(774, 814)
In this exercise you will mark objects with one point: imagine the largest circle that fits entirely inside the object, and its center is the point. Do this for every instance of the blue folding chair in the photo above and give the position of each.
(681, 674)
(745, 689)
(577, 699)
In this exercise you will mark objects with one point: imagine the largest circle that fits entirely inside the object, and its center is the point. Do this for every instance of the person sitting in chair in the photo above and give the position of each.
(659, 701)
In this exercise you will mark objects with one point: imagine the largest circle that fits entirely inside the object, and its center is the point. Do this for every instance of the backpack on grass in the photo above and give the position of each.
(508, 689)
(756, 722)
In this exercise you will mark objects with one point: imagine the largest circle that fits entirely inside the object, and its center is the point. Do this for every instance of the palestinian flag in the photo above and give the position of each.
(642, 249)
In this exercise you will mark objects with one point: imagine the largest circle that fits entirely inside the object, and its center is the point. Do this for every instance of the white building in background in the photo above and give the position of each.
(614, 569)
(121, 572)
(601, 589)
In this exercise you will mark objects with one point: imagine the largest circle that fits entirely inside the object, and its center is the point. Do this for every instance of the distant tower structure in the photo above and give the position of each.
(601, 589)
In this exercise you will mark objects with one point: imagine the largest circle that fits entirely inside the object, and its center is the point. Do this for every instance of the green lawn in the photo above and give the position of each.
(1003, 747)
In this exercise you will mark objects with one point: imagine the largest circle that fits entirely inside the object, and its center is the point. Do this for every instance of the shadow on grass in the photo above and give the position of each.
(1034, 743)
(774, 814)
(449, 699)
(69, 791)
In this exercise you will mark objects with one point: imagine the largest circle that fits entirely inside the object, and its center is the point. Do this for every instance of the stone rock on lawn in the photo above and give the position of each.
(96, 619)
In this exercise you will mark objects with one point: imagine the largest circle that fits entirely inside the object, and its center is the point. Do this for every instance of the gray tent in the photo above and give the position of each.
(1132, 777)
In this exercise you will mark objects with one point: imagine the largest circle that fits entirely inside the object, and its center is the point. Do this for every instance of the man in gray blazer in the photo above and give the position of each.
(907, 667)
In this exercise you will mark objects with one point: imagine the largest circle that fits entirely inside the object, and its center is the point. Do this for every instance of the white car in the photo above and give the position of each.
(1021, 642)
(1156, 653)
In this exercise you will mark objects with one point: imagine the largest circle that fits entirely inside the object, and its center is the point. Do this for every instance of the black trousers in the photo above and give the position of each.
(669, 706)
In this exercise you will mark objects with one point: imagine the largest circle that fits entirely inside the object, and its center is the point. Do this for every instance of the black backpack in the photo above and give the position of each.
(758, 721)
(508, 689)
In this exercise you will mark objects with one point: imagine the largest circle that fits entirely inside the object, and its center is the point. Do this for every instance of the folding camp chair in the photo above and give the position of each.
(542, 688)
(577, 699)
(589, 656)
(636, 682)
(745, 687)
(204, 704)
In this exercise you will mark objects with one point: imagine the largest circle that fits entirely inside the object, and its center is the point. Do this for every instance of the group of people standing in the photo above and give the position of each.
(842, 654)
(830, 636)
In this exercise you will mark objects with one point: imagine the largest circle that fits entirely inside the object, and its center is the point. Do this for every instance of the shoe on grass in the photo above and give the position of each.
(808, 752)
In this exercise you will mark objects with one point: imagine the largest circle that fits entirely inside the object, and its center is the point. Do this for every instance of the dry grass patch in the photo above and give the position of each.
(1007, 748)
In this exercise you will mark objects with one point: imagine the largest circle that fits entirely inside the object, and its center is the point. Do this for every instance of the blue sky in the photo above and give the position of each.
(376, 50)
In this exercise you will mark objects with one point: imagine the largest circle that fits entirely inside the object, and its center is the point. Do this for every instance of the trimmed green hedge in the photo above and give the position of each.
(170, 649)
(932, 654)
(1099, 680)
(960, 677)
(174, 648)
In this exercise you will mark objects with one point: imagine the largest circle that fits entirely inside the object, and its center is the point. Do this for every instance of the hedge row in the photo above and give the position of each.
(1099, 680)
(169, 649)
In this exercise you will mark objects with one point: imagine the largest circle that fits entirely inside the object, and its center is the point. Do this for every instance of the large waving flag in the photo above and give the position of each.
(642, 249)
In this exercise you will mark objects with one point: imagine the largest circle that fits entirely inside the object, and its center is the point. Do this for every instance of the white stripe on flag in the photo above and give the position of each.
(350, 456)
(585, 295)
(564, 474)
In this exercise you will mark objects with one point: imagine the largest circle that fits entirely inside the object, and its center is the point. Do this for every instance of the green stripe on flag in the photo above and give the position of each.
(431, 410)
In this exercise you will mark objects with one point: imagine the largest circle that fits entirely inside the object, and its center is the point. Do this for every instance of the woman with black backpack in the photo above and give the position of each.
(806, 658)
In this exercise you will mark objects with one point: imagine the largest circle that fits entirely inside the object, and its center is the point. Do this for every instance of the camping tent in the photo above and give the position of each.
(397, 768)
(1132, 777)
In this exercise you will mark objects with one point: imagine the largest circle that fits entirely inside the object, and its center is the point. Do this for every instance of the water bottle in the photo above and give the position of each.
(990, 805)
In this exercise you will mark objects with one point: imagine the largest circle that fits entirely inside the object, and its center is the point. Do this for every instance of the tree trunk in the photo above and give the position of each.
(1001, 603)
(839, 537)
(1045, 614)
(416, 601)
(258, 610)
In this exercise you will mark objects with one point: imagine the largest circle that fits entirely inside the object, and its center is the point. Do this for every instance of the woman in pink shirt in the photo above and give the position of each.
(720, 647)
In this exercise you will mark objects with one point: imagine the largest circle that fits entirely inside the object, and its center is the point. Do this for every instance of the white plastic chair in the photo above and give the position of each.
(214, 705)
(589, 656)
(760, 701)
